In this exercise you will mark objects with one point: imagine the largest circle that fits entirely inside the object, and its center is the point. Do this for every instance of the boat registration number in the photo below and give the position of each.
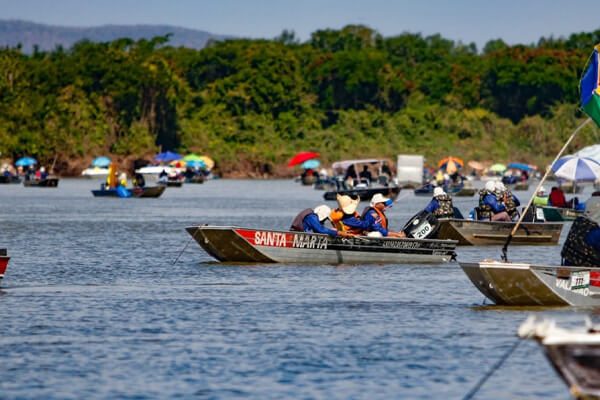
(580, 279)
(422, 231)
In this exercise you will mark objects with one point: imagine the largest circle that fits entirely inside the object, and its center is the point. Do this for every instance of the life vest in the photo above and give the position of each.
(485, 210)
(381, 218)
(576, 251)
(297, 222)
(337, 217)
(510, 205)
(445, 208)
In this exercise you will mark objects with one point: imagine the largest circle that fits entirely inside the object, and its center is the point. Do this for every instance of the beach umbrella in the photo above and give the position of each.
(520, 166)
(207, 161)
(450, 164)
(195, 164)
(575, 168)
(310, 164)
(476, 165)
(498, 167)
(101, 162)
(167, 156)
(301, 157)
(592, 152)
(25, 161)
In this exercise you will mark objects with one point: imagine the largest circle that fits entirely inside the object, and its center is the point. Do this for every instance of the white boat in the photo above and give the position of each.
(95, 172)
(574, 353)
(153, 171)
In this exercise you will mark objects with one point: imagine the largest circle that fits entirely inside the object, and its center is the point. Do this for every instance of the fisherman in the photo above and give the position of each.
(351, 176)
(541, 198)
(557, 199)
(365, 175)
(441, 204)
(123, 179)
(377, 220)
(312, 220)
(508, 199)
(345, 218)
(489, 208)
(139, 181)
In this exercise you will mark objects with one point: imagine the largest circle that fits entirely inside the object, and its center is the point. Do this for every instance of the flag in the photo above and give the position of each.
(590, 90)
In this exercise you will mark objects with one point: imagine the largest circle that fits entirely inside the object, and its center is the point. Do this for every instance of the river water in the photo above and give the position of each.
(94, 307)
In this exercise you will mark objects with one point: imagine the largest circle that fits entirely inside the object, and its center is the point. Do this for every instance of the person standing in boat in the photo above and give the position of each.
(510, 201)
(311, 220)
(489, 208)
(376, 218)
(441, 204)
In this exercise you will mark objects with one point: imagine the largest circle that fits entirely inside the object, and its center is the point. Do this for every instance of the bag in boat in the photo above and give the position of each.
(421, 226)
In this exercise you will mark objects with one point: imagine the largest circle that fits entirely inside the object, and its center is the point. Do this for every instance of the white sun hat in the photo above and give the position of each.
(438, 191)
(500, 186)
(490, 186)
(323, 212)
(346, 203)
(379, 198)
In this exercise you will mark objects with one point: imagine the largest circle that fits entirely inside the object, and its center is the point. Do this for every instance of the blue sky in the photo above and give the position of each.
(478, 21)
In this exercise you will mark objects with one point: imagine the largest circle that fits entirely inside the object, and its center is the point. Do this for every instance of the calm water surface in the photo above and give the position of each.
(93, 307)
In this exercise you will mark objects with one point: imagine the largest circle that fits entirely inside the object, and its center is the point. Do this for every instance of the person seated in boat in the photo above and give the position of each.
(557, 199)
(441, 204)
(376, 218)
(508, 199)
(312, 220)
(351, 176)
(123, 179)
(489, 208)
(365, 175)
(541, 198)
(43, 172)
(345, 218)
(139, 181)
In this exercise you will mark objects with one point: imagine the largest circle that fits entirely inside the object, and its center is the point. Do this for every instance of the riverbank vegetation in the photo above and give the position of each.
(252, 104)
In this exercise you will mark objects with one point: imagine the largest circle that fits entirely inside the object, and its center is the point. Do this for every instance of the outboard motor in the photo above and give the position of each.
(423, 225)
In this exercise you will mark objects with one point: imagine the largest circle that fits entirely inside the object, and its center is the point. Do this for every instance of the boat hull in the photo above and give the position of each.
(454, 191)
(485, 233)
(9, 179)
(234, 244)
(48, 182)
(3, 264)
(364, 194)
(514, 284)
(560, 214)
(147, 191)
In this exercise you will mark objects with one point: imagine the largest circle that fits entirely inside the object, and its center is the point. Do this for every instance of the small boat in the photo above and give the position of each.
(170, 183)
(309, 180)
(46, 182)
(195, 179)
(574, 353)
(95, 172)
(9, 179)
(521, 284)
(520, 186)
(365, 193)
(480, 233)
(559, 213)
(234, 244)
(3, 263)
(454, 191)
(153, 172)
(146, 191)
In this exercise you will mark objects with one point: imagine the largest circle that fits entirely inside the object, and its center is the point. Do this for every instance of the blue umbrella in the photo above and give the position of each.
(574, 168)
(195, 164)
(101, 162)
(310, 164)
(523, 167)
(25, 161)
(167, 156)
(592, 152)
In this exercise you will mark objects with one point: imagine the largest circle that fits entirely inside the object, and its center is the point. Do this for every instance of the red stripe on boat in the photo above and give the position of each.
(3, 264)
(266, 238)
(595, 278)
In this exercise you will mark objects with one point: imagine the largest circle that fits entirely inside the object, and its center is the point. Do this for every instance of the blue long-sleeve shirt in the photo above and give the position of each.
(517, 202)
(432, 206)
(366, 224)
(371, 219)
(491, 201)
(311, 223)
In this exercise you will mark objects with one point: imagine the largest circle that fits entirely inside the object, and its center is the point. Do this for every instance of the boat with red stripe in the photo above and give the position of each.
(3, 263)
(236, 244)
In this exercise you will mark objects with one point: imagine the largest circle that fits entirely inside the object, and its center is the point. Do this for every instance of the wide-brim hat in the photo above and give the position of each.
(438, 191)
(347, 204)
(323, 212)
(379, 198)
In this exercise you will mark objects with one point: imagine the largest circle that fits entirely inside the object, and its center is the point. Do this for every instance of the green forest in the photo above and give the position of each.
(252, 104)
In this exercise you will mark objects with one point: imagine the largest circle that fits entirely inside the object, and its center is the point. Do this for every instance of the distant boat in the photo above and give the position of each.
(95, 172)
(146, 191)
(3, 263)
(153, 171)
(452, 190)
(46, 182)
(365, 193)
(9, 179)
(559, 213)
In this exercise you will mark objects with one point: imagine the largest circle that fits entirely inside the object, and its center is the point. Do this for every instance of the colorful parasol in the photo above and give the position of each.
(25, 161)
(498, 167)
(451, 164)
(575, 168)
(301, 157)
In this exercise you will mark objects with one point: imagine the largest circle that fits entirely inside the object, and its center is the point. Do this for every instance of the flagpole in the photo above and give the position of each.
(548, 169)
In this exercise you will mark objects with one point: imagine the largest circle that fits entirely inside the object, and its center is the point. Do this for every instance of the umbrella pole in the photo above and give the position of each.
(548, 169)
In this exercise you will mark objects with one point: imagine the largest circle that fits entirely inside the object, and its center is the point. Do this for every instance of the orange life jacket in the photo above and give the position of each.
(336, 217)
(382, 218)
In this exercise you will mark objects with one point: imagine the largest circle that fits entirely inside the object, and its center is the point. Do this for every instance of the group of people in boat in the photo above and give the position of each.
(555, 199)
(497, 203)
(346, 220)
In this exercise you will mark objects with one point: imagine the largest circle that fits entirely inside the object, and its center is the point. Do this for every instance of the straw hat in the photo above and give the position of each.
(379, 198)
(322, 212)
(438, 191)
(347, 205)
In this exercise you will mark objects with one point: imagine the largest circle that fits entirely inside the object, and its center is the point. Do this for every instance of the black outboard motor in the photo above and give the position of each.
(423, 225)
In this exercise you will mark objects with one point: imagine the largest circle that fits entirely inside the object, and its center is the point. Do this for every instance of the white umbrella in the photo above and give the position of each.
(574, 168)
(592, 152)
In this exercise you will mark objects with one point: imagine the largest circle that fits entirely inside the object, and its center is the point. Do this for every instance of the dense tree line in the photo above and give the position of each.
(251, 104)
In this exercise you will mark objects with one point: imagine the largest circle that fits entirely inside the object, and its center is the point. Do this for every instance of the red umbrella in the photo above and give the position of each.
(301, 157)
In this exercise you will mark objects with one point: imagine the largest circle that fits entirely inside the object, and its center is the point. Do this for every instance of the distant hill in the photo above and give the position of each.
(47, 37)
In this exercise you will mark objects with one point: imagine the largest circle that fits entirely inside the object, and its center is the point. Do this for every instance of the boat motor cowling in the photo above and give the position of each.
(421, 226)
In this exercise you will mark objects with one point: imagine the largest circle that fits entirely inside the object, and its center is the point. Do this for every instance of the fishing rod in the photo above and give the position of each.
(548, 169)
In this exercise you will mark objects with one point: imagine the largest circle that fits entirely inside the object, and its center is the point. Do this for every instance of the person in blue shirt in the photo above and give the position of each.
(441, 204)
(376, 220)
(490, 208)
(310, 220)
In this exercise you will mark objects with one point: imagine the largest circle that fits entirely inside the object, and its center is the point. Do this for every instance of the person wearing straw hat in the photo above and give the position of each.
(345, 218)
(311, 220)
(376, 218)
(441, 204)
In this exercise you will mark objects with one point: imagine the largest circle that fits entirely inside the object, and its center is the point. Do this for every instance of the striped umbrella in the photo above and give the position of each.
(575, 168)
(592, 152)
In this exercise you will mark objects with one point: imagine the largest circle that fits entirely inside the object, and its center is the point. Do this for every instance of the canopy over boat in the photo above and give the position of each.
(167, 156)
(25, 161)
(234, 244)
(101, 162)
(301, 157)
